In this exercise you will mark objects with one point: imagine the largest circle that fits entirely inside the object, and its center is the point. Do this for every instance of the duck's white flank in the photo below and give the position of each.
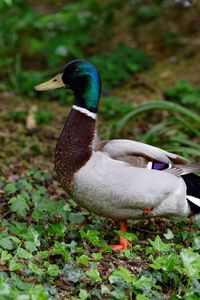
(120, 191)
(194, 200)
(85, 111)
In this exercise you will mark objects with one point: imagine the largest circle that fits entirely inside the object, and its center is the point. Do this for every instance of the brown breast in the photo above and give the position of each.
(74, 147)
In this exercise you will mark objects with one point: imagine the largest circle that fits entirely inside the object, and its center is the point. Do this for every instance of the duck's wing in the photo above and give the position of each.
(118, 148)
(142, 155)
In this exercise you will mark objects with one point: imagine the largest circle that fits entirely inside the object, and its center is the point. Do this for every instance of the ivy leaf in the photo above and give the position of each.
(119, 294)
(74, 275)
(32, 235)
(191, 262)
(104, 289)
(76, 218)
(53, 270)
(6, 243)
(10, 188)
(61, 248)
(17, 282)
(166, 263)
(83, 260)
(145, 284)
(5, 255)
(35, 268)
(15, 266)
(197, 243)
(123, 273)
(94, 275)
(56, 230)
(22, 253)
(73, 247)
(127, 235)
(4, 289)
(197, 220)
(24, 184)
(38, 175)
(72, 272)
(158, 245)
(169, 234)
(19, 205)
(97, 255)
(30, 246)
(15, 239)
(42, 254)
(92, 236)
(83, 294)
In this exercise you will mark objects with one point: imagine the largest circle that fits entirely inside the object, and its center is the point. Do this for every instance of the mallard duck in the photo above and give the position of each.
(118, 179)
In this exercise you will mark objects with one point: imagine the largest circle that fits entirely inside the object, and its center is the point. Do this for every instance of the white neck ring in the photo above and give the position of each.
(85, 111)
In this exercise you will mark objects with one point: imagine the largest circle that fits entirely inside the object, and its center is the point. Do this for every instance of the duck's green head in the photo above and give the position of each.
(83, 79)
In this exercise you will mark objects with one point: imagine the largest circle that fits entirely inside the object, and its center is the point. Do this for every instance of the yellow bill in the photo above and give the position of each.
(54, 83)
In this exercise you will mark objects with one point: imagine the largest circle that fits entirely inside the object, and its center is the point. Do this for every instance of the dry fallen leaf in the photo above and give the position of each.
(31, 125)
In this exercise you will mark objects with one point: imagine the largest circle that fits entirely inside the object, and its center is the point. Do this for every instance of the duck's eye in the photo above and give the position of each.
(77, 70)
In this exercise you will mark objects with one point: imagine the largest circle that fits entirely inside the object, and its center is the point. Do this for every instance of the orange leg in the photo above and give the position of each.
(123, 243)
(147, 211)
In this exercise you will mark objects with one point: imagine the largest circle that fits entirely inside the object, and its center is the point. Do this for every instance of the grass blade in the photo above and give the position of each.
(162, 105)
(183, 150)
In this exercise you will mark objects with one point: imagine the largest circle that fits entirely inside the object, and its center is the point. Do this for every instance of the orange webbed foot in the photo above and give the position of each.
(147, 211)
(123, 243)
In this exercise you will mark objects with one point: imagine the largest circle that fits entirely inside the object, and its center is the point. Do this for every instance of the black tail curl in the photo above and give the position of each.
(192, 182)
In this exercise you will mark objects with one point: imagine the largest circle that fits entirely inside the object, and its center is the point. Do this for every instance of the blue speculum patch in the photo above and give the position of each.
(160, 166)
